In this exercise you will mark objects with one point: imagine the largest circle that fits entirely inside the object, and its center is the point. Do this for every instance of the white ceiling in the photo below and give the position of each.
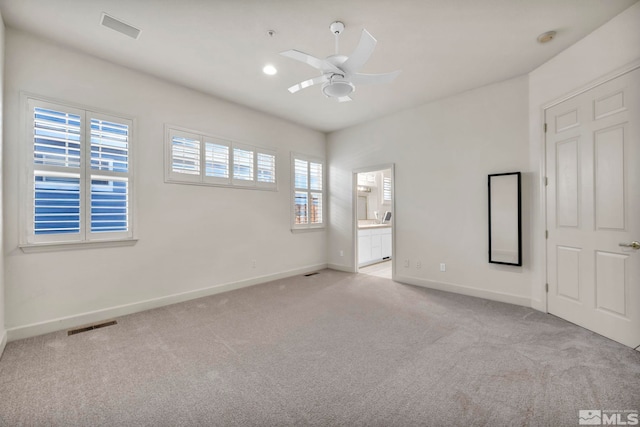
(219, 47)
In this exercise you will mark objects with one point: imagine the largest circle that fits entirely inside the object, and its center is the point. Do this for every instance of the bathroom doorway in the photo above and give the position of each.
(374, 219)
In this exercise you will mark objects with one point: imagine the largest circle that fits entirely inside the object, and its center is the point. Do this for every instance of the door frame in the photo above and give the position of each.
(354, 213)
(543, 158)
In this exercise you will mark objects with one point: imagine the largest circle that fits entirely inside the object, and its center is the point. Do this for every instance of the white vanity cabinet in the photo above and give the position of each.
(364, 246)
(374, 244)
(386, 243)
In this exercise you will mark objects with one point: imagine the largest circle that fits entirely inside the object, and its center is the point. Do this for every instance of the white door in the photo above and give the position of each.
(593, 206)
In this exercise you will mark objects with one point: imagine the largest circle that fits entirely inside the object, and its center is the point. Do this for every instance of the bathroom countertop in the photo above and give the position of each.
(368, 226)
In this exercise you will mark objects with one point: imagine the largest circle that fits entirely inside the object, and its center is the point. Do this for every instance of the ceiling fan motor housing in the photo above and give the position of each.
(336, 27)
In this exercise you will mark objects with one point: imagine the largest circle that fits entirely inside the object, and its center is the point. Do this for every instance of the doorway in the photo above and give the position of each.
(374, 219)
(592, 202)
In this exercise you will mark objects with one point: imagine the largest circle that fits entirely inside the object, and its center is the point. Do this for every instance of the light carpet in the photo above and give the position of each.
(334, 349)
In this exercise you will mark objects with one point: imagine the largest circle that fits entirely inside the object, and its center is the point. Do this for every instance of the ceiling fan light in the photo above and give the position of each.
(337, 89)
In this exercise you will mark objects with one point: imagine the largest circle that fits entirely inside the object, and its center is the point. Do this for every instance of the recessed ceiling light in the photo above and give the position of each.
(269, 70)
(546, 37)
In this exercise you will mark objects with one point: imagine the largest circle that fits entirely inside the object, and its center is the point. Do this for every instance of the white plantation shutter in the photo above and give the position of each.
(184, 153)
(109, 146)
(315, 210)
(315, 176)
(243, 166)
(56, 138)
(315, 185)
(386, 189)
(109, 193)
(56, 204)
(307, 192)
(109, 204)
(266, 167)
(79, 175)
(217, 162)
(301, 208)
(301, 174)
(194, 158)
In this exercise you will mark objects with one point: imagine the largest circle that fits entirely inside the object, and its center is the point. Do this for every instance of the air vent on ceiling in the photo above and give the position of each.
(119, 26)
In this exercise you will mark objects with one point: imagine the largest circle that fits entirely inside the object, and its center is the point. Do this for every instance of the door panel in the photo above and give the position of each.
(609, 177)
(593, 205)
(568, 272)
(567, 178)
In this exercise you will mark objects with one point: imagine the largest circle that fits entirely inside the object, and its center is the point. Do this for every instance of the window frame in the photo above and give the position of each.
(29, 241)
(309, 159)
(173, 177)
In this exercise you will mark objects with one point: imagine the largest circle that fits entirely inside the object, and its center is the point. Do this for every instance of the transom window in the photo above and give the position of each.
(307, 192)
(194, 158)
(79, 183)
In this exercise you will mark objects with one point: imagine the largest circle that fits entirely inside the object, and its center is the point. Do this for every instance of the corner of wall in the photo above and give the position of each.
(3, 332)
(3, 342)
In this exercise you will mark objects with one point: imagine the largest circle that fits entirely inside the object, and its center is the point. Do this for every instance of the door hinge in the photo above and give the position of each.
(545, 128)
(546, 287)
(546, 234)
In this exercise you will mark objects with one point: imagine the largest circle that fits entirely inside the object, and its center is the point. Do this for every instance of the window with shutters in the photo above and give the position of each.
(307, 192)
(195, 158)
(386, 189)
(79, 181)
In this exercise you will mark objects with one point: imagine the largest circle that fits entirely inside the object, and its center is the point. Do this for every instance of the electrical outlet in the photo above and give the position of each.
(418, 264)
(253, 263)
(443, 266)
(406, 263)
(341, 252)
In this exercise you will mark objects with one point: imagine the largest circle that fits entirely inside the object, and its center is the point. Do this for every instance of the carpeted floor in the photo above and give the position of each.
(331, 349)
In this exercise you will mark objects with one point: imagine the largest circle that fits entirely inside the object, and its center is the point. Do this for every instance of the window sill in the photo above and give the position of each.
(262, 187)
(71, 246)
(307, 229)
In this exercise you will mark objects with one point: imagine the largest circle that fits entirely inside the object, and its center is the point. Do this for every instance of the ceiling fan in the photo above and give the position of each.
(340, 72)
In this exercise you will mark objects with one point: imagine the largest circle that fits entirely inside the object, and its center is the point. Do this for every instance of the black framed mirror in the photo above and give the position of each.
(505, 219)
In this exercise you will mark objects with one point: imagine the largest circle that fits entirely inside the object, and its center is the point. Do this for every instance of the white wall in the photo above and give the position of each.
(443, 152)
(3, 334)
(607, 49)
(191, 237)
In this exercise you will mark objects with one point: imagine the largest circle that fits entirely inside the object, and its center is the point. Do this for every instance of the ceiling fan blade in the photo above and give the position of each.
(344, 99)
(320, 64)
(362, 53)
(307, 83)
(374, 78)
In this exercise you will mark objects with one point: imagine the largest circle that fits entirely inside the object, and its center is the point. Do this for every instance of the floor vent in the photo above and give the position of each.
(311, 274)
(91, 327)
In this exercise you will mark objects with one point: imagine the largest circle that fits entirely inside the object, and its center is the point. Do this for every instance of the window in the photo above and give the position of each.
(307, 192)
(79, 183)
(194, 158)
(386, 189)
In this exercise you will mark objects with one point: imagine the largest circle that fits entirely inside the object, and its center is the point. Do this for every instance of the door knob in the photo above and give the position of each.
(634, 245)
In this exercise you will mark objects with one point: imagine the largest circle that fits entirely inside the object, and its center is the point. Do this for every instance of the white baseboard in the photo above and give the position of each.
(338, 267)
(466, 290)
(539, 305)
(35, 329)
(3, 342)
